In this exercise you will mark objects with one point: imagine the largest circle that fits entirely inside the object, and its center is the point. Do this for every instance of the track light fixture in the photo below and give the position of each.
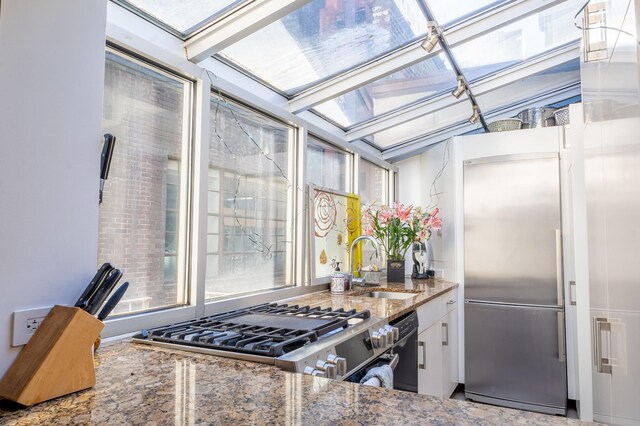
(475, 116)
(462, 87)
(432, 37)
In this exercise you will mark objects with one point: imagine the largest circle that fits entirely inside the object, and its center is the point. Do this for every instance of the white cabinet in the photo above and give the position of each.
(438, 346)
(449, 352)
(430, 374)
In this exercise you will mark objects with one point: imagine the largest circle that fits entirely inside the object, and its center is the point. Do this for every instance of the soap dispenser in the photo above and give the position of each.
(338, 280)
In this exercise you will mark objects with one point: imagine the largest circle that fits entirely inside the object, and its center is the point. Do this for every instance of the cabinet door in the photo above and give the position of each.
(449, 325)
(430, 361)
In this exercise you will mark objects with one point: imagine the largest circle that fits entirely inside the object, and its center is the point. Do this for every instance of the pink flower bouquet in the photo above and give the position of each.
(398, 226)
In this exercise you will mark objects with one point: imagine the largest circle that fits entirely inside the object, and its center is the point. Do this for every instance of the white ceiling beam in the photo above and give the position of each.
(236, 25)
(495, 18)
(413, 53)
(418, 145)
(358, 77)
(503, 78)
(526, 69)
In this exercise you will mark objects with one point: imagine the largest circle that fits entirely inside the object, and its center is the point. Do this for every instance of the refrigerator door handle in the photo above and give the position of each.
(559, 274)
(562, 353)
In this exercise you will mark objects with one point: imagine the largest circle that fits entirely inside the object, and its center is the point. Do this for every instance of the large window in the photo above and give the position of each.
(142, 217)
(373, 183)
(327, 166)
(249, 241)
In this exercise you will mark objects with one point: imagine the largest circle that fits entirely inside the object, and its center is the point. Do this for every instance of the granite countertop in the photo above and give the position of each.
(140, 384)
(143, 385)
(390, 309)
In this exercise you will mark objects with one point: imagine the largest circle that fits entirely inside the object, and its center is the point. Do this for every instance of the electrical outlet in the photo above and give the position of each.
(25, 324)
(439, 273)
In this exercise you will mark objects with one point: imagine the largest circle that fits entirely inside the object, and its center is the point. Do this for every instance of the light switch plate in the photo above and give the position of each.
(25, 324)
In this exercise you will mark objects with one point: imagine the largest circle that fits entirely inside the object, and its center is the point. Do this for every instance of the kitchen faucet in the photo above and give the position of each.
(376, 246)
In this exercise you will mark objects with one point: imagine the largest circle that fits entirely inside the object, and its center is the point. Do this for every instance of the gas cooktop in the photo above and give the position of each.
(295, 338)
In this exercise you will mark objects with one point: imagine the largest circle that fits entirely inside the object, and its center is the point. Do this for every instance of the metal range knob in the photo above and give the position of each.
(395, 332)
(318, 373)
(378, 340)
(314, 372)
(388, 337)
(329, 369)
(339, 362)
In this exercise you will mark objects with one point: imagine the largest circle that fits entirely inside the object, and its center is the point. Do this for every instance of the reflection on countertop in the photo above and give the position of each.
(391, 309)
(140, 384)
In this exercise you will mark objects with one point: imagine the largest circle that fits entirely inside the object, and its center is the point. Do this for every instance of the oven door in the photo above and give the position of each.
(387, 358)
(405, 375)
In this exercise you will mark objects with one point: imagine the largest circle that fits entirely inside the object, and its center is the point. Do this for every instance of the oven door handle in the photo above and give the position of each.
(392, 360)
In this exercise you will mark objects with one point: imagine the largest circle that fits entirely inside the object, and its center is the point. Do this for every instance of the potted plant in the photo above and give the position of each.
(397, 227)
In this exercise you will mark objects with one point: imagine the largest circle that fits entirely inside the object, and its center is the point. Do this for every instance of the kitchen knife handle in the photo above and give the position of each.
(103, 292)
(99, 277)
(113, 301)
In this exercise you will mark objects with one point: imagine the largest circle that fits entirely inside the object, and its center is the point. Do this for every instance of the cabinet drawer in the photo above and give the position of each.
(450, 300)
(432, 311)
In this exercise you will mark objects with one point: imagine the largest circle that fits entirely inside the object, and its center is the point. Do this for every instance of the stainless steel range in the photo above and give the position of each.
(322, 342)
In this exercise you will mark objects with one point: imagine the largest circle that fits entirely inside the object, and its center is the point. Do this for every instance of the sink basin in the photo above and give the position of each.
(389, 295)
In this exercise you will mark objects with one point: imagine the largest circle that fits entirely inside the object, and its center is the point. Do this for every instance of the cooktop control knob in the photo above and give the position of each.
(321, 365)
(386, 337)
(376, 340)
(339, 362)
(308, 370)
(318, 373)
(395, 332)
(330, 371)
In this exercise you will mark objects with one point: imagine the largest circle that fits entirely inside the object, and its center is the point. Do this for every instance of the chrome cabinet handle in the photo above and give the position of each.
(602, 363)
(562, 352)
(422, 366)
(451, 302)
(445, 331)
(559, 275)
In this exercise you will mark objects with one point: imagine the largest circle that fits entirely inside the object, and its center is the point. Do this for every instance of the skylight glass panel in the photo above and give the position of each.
(420, 81)
(427, 124)
(325, 38)
(519, 41)
(450, 11)
(185, 16)
(543, 82)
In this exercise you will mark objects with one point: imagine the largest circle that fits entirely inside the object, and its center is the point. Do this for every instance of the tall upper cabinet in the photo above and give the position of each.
(611, 99)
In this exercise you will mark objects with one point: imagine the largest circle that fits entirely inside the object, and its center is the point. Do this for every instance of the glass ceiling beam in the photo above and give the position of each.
(413, 53)
(418, 145)
(237, 25)
(503, 78)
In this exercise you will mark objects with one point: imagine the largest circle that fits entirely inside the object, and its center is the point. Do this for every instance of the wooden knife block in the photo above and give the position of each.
(57, 360)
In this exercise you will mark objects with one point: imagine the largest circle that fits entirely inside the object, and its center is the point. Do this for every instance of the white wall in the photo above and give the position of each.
(51, 86)
(417, 187)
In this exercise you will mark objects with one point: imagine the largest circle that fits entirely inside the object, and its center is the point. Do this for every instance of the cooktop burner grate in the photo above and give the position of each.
(269, 329)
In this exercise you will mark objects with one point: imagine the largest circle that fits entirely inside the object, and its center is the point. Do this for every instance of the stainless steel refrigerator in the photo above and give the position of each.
(513, 284)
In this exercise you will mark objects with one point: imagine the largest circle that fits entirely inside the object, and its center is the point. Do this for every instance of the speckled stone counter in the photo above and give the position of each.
(141, 385)
(145, 385)
(425, 290)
